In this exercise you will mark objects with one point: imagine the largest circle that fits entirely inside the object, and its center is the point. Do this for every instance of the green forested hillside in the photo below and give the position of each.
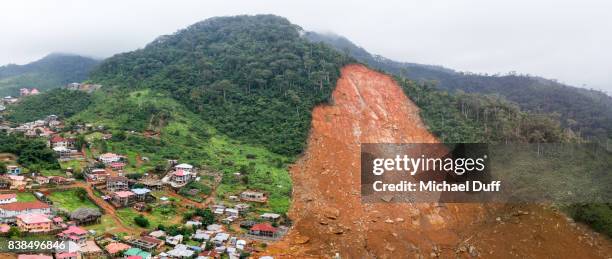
(61, 102)
(251, 77)
(181, 134)
(31, 153)
(53, 71)
(475, 118)
(586, 112)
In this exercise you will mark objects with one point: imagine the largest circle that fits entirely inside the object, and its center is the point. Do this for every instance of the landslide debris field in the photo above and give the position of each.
(329, 217)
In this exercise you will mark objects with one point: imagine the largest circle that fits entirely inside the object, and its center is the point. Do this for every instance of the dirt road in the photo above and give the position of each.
(107, 207)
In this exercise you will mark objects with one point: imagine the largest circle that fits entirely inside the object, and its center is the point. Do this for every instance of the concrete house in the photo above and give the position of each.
(33, 222)
(122, 198)
(141, 193)
(253, 196)
(97, 175)
(272, 217)
(263, 230)
(117, 183)
(74, 234)
(13, 169)
(8, 212)
(8, 198)
(109, 158)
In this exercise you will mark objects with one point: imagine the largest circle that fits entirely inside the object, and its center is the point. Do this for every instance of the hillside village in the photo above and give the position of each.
(108, 206)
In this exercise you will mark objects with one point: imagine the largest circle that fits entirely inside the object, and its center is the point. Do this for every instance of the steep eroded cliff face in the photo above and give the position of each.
(329, 217)
(368, 107)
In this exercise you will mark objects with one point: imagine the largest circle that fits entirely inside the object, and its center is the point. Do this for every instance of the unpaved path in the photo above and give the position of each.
(107, 207)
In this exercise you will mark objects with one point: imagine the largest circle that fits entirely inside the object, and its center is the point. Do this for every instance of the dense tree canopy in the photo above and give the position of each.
(31, 152)
(61, 102)
(252, 77)
(482, 119)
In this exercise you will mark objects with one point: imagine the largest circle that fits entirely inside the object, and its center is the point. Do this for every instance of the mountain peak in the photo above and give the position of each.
(59, 54)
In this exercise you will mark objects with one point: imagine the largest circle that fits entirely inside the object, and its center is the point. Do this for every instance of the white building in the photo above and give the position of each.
(8, 198)
(174, 240)
(9, 211)
(185, 167)
(109, 158)
(180, 251)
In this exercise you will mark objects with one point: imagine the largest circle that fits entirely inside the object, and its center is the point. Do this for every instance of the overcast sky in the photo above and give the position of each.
(566, 40)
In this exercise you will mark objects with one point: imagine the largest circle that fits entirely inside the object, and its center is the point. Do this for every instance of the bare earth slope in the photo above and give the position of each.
(329, 217)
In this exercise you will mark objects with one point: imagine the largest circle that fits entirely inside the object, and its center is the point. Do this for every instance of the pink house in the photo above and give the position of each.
(180, 178)
(4, 228)
(66, 256)
(116, 248)
(74, 234)
(117, 165)
(24, 91)
(33, 223)
(17, 181)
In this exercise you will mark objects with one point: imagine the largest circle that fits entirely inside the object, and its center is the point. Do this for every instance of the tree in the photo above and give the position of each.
(79, 175)
(81, 193)
(99, 165)
(14, 232)
(159, 169)
(207, 216)
(172, 230)
(134, 176)
(80, 142)
(221, 87)
(2, 168)
(161, 227)
(141, 221)
(187, 215)
(35, 168)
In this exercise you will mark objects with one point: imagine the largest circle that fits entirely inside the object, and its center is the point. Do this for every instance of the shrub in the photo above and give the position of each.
(141, 221)
(597, 215)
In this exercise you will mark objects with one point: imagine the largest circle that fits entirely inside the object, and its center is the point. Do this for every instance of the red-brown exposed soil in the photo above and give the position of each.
(329, 217)
(108, 209)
